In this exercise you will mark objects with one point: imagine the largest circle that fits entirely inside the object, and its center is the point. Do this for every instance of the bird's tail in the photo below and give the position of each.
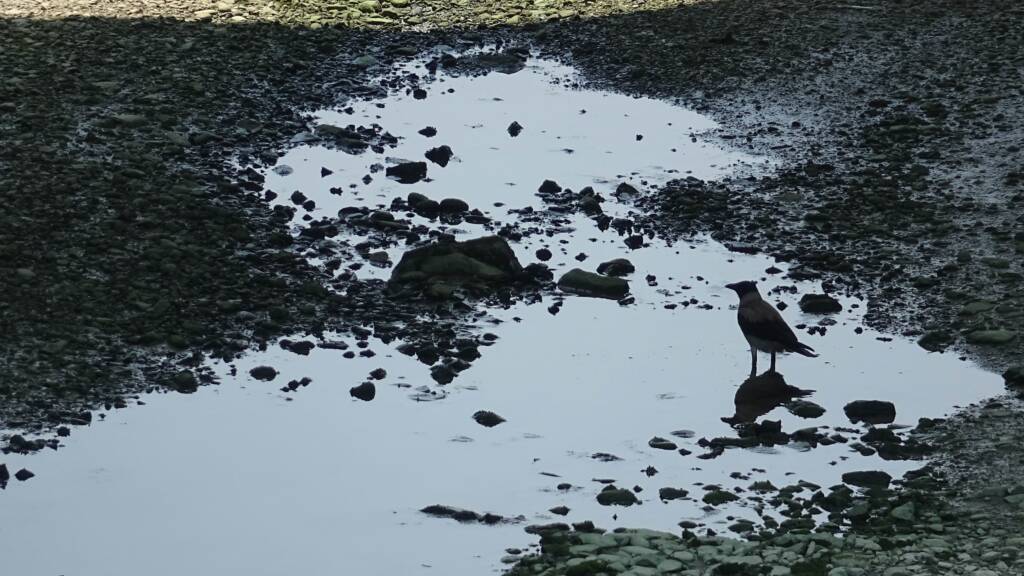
(803, 349)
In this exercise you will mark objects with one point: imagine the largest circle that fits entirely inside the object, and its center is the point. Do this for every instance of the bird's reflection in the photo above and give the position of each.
(761, 394)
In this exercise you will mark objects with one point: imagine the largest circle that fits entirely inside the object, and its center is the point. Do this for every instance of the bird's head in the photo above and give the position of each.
(742, 288)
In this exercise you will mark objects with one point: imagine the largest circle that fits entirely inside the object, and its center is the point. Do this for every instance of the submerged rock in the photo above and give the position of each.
(462, 515)
(819, 304)
(804, 409)
(483, 260)
(591, 284)
(661, 443)
(871, 411)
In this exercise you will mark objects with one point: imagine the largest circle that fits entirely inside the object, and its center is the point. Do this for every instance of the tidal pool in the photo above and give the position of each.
(243, 478)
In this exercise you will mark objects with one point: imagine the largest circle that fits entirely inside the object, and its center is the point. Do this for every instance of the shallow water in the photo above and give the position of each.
(243, 478)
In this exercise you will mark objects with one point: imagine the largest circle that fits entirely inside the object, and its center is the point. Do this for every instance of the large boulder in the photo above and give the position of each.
(591, 284)
(482, 260)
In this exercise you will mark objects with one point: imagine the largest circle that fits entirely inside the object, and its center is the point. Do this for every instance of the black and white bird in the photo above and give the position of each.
(763, 326)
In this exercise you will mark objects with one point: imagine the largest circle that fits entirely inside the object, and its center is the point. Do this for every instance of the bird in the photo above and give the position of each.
(763, 326)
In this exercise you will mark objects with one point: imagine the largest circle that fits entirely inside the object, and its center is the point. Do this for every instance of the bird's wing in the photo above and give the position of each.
(761, 320)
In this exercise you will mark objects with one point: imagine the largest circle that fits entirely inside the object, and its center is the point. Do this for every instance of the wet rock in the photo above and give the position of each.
(184, 381)
(365, 391)
(23, 474)
(442, 374)
(514, 129)
(634, 242)
(440, 155)
(871, 411)
(804, 409)
(378, 373)
(716, 497)
(543, 254)
(549, 187)
(661, 443)
(407, 172)
(1014, 377)
(626, 191)
(672, 493)
(991, 337)
(302, 347)
(867, 479)
(612, 496)
(427, 208)
(63, 431)
(605, 457)
(617, 267)
(5, 475)
(482, 260)
(461, 515)
(453, 206)
(560, 510)
(419, 93)
(591, 284)
(264, 373)
(906, 512)
(590, 205)
(936, 340)
(819, 304)
(429, 131)
(298, 197)
(487, 418)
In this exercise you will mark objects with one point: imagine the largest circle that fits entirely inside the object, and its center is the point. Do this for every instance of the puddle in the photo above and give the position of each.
(245, 478)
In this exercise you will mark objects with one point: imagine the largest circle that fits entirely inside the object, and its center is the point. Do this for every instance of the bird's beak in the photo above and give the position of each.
(731, 286)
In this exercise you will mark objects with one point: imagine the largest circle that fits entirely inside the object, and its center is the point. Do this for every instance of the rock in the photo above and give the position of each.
(419, 94)
(429, 131)
(672, 493)
(560, 510)
(427, 208)
(298, 197)
(904, 512)
(634, 242)
(591, 284)
(661, 443)
(543, 254)
(716, 497)
(365, 61)
(1014, 377)
(407, 172)
(265, 373)
(514, 129)
(453, 206)
(549, 187)
(990, 337)
(804, 409)
(867, 479)
(487, 418)
(819, 304)
(871, 411)
(365, 391)
(23, 474)
(184, 381)
(935, 340)
(612, 496)
(302, 347)
(617, 267)
(5, 475)
(378, 373)
(63, 431)
(415, 199)
(487, 259)
(440, 155)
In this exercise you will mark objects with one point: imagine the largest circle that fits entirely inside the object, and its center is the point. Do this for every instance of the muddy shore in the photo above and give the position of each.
(134, 248)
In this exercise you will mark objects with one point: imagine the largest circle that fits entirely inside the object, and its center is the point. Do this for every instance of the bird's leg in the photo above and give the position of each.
(753, 362)
(772, 368)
